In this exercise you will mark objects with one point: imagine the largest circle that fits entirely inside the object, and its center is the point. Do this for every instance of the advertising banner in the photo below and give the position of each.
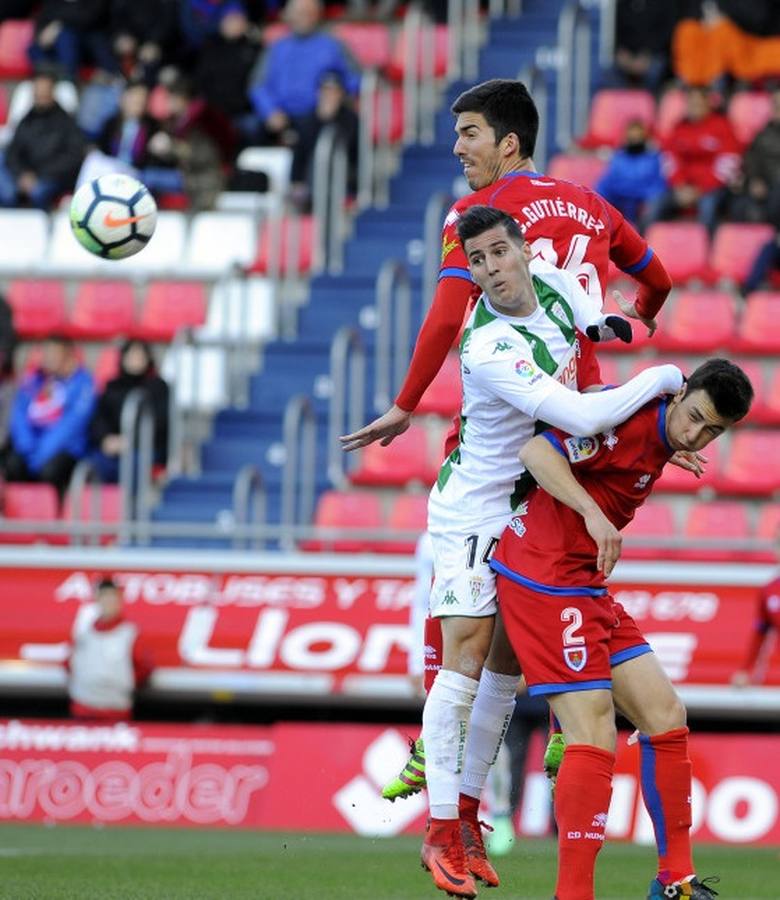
(242, 776)
(334, 633)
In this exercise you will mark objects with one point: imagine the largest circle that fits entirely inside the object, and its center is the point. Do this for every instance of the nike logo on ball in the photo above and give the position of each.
(110, 222)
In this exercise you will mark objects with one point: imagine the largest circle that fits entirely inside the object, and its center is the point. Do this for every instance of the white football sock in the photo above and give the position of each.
(493, 708)
(445, 726)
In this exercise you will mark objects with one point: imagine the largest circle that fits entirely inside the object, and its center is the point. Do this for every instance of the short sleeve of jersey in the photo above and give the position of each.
(584, 452)
(507, 370)
(453, 259)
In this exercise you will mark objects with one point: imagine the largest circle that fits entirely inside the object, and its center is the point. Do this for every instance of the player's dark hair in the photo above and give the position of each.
(726, 385)
(106, 584)
(507, 107)
(478, 219)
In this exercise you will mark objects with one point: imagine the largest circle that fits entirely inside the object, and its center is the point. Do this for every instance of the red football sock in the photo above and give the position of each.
(666, 790)
(582, 795)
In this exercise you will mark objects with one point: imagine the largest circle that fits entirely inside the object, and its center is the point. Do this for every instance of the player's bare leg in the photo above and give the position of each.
(584, 786)
(445, 727)
(647, 698)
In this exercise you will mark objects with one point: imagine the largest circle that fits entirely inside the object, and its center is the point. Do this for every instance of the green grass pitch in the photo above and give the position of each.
(75, 863)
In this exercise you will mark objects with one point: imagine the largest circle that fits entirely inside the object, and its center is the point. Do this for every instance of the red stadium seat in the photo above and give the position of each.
(443, 397)
(103, 309)
(106, 367)
(766, 406)
(441, 52)
(675, 480)
(671, 108)
(169, 306)
(723, 521)
(611, 110)
(369, 42)
(759, 328)
(748, 112)
(753, 464)
(15, 38)
(409, 513)
(577, 167)
(406, 459)
(654, 519)
(3, 105)
(735, 248)
(306, 238)
(683, 248)
(353, 511)
(698, 323)
(28, 501)
(768, 527)
(108, 499)
(38, 307)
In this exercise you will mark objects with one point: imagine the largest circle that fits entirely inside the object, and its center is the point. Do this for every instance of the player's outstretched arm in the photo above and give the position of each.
(436, 337)
(553, 474)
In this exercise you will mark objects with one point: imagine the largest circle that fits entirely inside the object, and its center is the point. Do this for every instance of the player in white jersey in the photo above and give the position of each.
(518, 363)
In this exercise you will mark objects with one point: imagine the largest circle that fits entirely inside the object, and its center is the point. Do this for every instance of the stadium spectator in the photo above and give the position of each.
(7, 388)
(701, 157)
(633, 180)
(50, 417)
(767, 625)
(765, 264)
(287, 90)
(137, 371)
(142, 34)
(45, 152)
(134, 138)
(225, 64)
(334, 109)
(71, 34)
(758, 198)
(199, 141)
(201, 19)
(643, 35)
(107, 661)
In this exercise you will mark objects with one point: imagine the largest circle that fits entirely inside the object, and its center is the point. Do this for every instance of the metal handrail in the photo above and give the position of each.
(329, 195)
(573, 91)
(534, 79)
(412, 26)
(435, 211)
(136, 460)
(393, 328)
(249, 504)
(607, 26)
(84, 474)
(300, 464)
(347, 397)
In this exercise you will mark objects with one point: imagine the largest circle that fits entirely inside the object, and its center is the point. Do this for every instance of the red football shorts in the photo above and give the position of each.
(567, 643)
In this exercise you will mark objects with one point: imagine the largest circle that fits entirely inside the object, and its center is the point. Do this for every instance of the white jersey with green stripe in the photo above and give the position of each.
(509, 366)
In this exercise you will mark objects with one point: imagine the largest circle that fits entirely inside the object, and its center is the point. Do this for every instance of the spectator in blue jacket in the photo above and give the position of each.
(288, 88)
(634, 181)
(50, 418)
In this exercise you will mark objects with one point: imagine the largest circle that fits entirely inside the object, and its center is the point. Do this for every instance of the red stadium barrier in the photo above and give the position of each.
(240, 776)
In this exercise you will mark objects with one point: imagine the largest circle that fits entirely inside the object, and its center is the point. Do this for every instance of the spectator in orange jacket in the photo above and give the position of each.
(701, 158)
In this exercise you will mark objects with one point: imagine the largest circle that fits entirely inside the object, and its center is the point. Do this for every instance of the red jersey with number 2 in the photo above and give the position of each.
(547, 542)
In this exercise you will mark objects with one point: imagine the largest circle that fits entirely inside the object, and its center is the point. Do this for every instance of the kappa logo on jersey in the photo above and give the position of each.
(447, 246)
(502, 347)
(581, 448)
(575, 658)
(610, 439)
(528, 371)
(641, 482)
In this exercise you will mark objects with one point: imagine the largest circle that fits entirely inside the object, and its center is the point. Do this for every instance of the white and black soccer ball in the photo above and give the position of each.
(113, 216)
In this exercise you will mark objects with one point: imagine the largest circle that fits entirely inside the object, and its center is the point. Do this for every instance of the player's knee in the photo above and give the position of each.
(667, 717)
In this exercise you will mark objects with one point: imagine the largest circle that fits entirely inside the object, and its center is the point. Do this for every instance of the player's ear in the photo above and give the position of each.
(511, 144)
(527, 251)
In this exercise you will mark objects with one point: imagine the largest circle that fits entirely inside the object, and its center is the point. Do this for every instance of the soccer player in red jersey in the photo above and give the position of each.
(579, 648)
(767, 624)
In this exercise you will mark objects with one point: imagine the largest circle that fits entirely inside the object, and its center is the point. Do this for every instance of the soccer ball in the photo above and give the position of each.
(113, 216)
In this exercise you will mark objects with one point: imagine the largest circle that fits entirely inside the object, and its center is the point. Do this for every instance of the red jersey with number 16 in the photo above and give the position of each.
(546, 544)
(566, 224)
